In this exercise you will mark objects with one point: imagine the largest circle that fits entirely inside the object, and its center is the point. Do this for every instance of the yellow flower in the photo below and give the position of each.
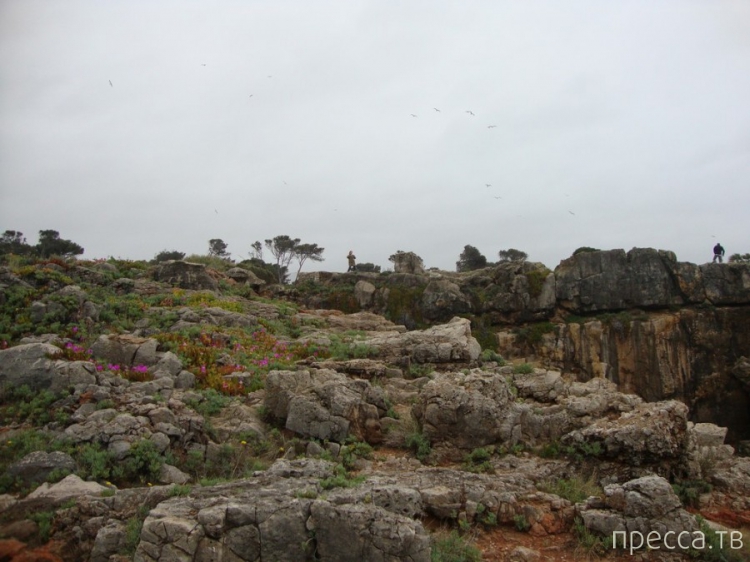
(281, 449)
(150, 484)
(243, 442)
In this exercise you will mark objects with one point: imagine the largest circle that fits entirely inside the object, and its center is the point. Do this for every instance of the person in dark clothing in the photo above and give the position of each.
(718, 253)
(351, 257)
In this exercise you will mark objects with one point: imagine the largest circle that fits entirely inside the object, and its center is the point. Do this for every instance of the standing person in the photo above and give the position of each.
(718, 253)
(351, 257)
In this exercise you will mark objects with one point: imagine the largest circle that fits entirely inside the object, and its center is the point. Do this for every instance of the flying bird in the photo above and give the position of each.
(498, 197)
(251, 95)
(215, 211)
(412, 115)
(110, 83)
(436, 109)
(571, 212)
(491, 126)
(203, 64)
(469, 112)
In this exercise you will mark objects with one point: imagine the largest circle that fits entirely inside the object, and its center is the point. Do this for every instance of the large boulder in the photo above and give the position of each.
(125, 349)
(35, 467)
(325, 405)
(186, 275)
(31, 365)
(467, 410)
(651, 433)
(445, 343)
(643, 505)
(407, 262)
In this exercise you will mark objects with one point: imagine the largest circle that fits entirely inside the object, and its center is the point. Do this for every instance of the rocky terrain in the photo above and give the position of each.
(183, 412)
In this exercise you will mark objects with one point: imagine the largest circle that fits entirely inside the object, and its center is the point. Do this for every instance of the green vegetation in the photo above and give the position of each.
(585, 249)
(533, 334)
(470, 259)
(479, 460)
(452, 547)
(419, 443)
(521, 522)
(588, 543)
(574, 489)
(536, 279)
(689, 491)
(403, 306)
(523, 369)
(341, 479)
(739, 258)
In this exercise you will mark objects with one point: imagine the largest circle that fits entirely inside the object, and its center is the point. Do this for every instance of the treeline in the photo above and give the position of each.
(283, 248)
(471, 258)
(49, 244)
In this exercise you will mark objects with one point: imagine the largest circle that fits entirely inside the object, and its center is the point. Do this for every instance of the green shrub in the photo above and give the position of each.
(588, 542)
(419, 443)
(584, 249)
(43, 519)
(489, 355)
(479, 461)
(536, 279)
(452, 547)
(523, 369)
(341, 479)
(356, 450)
(212, 404)
(574, 489)
(689, 491)
(521, 522)
(531, 335)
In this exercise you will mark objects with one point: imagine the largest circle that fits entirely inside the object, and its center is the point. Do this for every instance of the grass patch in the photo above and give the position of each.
(452, 547)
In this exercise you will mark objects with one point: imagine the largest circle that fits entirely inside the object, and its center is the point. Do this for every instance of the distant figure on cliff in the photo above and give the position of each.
(351, 257)
(718, 253)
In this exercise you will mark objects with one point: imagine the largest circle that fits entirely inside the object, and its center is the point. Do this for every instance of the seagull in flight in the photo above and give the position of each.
(491, 126)
(488, 185)
(498, 197)
(571, 212)
(436, 109)
(203, 64)
(110, 83)
(412, 115)
(469, 112)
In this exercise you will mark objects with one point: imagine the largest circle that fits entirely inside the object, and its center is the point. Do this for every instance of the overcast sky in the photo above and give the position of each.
(133, 127)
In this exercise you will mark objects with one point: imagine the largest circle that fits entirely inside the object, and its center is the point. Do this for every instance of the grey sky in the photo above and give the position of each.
(614, 125)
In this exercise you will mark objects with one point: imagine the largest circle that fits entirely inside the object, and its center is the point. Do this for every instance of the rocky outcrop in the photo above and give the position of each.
(693, 355)
(325, 405)
(642, 505)
(185, 275)
(446, 343)
(31, 365)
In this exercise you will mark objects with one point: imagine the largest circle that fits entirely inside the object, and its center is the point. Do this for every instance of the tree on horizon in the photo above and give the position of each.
(470, 259)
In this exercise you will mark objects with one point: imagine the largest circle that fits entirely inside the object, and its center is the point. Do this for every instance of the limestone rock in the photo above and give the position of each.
(185, 275)
(69, 487)
(30, 365)
(35, 467)
(445, 343)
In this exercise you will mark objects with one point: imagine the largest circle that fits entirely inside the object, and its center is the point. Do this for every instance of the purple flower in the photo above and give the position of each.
(99, 368)
(75, 329)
